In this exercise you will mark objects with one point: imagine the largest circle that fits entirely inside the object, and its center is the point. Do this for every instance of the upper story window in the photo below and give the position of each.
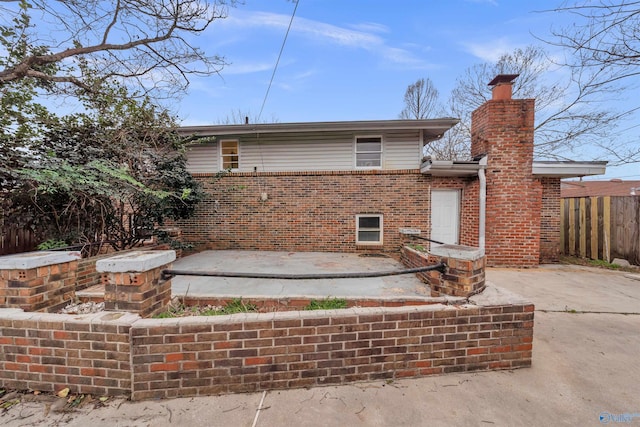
(229, 154)
(368, 152)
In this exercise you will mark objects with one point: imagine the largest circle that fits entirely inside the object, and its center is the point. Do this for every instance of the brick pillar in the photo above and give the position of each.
(38, 281)
(550, 220)
(465, 271)
(133, 281)
(503, 129)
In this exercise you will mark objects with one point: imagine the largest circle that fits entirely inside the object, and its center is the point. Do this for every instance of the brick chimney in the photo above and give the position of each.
(502, 129)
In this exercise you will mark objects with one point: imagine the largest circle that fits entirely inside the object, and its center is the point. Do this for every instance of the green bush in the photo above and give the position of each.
(52, 244)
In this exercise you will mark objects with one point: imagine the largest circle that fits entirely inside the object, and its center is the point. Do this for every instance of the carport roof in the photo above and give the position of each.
(432, 128)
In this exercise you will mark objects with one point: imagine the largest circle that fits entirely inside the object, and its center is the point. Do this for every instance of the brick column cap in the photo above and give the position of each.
(136, 261)
(29, 260)
(468, 253)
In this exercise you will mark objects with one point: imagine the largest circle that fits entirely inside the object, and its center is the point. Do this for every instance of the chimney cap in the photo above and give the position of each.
(503, 78)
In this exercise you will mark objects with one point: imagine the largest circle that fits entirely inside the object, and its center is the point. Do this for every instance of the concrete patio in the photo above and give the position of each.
(401, 286)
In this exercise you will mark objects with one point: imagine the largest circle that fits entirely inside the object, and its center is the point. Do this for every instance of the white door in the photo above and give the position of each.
(445, 216)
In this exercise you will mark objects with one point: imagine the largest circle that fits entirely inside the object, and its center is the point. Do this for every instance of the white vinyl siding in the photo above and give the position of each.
(315, 151)
(310, 152)
(402, 150)
(369, 229)
(202, 158)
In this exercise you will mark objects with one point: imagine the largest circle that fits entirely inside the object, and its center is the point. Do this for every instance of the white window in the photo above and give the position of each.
(229, 154)
(368, 152)
(369, 229)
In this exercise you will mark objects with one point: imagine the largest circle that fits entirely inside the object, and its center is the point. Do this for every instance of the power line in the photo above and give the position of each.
(266, 95)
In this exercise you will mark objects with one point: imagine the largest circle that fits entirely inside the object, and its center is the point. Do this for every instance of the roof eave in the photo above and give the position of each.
(448, 168)
(568, 169)
(435, 127)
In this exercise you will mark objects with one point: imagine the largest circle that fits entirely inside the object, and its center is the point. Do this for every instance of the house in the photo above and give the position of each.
(364, 185)
(613, 187)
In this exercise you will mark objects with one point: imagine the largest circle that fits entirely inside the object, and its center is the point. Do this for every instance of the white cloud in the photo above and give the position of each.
(490, 51)
(371, 27)
(363, 36)
(247, 68)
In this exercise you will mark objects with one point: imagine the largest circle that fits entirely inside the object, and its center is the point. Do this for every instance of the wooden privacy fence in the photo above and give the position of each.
(15, 240)
(601, 228)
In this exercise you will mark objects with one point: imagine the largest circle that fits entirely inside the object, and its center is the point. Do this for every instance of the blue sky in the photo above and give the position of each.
(353, 60)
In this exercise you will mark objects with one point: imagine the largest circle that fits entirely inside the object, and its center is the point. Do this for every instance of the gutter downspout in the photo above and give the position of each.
(482, 220)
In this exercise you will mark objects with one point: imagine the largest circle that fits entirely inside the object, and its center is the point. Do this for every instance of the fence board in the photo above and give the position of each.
(601, 227)
(594, 227)
(16, 240)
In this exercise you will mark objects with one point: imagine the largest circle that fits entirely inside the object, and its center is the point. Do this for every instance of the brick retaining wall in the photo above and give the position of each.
(47, 352)
(251, 352)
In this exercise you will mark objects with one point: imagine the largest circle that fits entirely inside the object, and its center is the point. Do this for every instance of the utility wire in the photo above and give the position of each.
(266, 95)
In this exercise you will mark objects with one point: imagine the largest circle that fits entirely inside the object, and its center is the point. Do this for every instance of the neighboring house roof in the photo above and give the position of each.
(432, 128)
(614, 187)
(548, 169)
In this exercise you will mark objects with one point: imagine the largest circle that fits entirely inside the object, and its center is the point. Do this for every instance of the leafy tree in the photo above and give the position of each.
(115, 171)
(149, 42)
(421, 100)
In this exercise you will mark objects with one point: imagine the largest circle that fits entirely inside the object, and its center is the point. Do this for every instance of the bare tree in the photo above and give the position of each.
(570, 116)
(603, 34)
(421, 100)
(151, 42)
(454, 145)
(604, 42)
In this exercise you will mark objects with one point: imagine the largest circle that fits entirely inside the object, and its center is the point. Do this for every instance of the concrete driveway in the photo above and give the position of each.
(585, 372)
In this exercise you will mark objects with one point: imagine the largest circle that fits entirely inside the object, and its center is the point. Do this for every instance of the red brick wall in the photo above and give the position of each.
(503, 129)
(550, 220)
(315, 211)
(470, 213)
(86, 274)
(306, 349)
(46, 288)
(48, 352)
(106, 354)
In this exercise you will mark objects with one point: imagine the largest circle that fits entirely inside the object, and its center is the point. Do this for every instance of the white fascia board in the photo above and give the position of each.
(568, 169)
(438, 125)
(449, 168)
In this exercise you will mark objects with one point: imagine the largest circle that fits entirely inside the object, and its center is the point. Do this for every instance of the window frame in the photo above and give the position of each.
(356, 152)
(379, 229)
(222, 156)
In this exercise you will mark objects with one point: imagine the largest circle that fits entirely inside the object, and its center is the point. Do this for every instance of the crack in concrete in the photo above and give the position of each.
(570, 311)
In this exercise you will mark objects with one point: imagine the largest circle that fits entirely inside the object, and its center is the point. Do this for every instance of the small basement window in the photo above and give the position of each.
(369, 229)
(229, 154)
(368, 152)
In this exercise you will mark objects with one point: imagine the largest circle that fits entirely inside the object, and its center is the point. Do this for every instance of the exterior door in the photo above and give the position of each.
(445, 216)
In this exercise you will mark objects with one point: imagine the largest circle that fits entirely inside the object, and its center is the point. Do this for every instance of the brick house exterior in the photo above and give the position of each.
(276, 197)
